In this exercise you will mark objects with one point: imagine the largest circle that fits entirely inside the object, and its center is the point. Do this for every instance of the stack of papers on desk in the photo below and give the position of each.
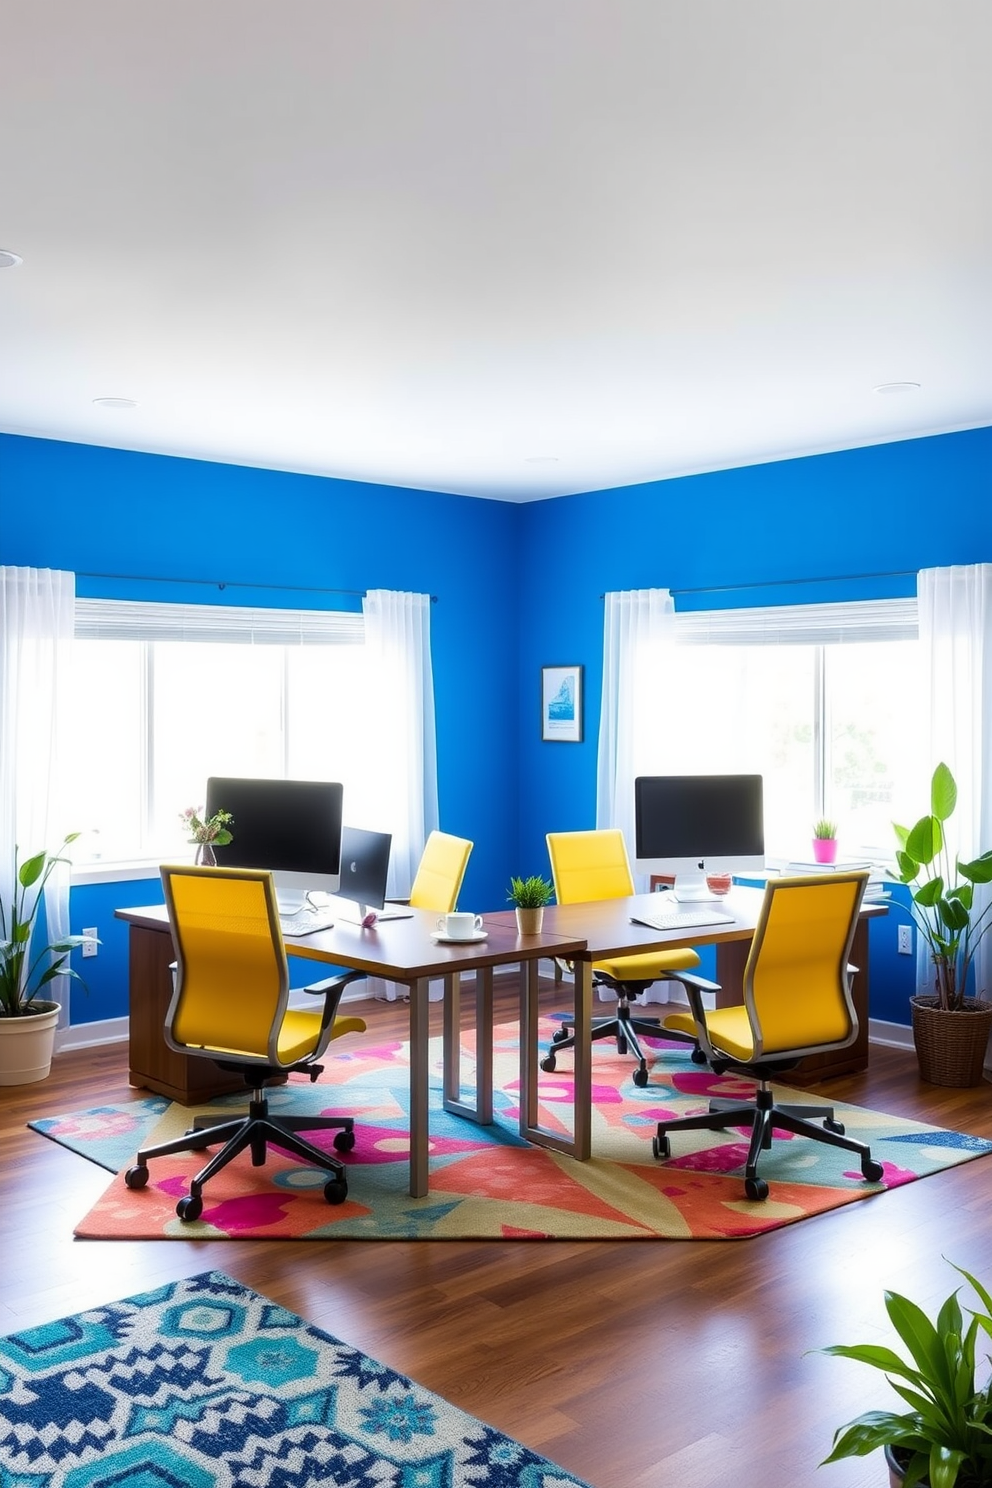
(879, 880)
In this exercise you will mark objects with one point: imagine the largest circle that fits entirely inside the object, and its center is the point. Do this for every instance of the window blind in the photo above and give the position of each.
(131, 620)
(800, 625)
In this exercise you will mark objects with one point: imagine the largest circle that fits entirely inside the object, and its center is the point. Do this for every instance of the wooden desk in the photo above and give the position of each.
(608, 930)
(398, 951)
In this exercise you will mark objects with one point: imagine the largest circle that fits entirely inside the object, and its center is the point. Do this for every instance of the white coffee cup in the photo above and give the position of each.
(459, 925)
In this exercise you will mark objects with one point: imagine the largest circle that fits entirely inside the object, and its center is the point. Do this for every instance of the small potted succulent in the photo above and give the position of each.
(944, 1438)
(825, 841)
(530, 895)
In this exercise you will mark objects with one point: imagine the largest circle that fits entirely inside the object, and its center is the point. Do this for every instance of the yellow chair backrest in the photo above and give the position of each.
(232, 978)
(589, 866)
(796, 984)
(440, 872)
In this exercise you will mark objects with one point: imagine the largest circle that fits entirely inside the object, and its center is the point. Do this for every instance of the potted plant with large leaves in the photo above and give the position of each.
(951, 1025)
(944, 1439)
(28, 1021)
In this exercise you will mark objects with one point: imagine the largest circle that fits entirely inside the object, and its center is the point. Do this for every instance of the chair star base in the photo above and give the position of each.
(255, 1132)
(624, 1028)
(763, 1116)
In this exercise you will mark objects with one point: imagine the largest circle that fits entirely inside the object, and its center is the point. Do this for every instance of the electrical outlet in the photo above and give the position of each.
(904, 944)
(90, 943)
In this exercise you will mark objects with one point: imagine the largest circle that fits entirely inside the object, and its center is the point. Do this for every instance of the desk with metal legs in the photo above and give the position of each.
(403, 951)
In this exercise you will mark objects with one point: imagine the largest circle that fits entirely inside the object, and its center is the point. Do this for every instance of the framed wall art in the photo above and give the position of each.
(561, 704)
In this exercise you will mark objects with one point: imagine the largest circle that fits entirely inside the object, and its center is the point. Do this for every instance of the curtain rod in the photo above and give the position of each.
(226, 584)
(905, 573)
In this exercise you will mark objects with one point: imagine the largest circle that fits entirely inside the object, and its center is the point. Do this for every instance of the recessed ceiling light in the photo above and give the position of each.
(115, 403)
(541, 460)
(896, 387)
(9, 260)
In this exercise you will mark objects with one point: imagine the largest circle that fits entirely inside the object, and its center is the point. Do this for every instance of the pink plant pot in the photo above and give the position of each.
(824, 849)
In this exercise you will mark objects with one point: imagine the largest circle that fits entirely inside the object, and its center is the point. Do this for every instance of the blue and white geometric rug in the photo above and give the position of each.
(203, 1383)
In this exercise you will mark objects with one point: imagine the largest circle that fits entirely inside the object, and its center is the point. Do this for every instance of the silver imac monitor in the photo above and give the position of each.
(688, 826)
(291, 827)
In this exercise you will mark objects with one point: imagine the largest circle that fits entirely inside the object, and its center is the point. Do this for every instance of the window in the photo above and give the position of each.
(167, 695)
(816, 698)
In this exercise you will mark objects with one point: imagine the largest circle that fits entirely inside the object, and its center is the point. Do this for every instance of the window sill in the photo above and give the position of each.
(123, 872)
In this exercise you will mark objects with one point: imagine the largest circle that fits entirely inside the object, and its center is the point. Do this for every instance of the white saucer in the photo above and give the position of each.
(439, 938)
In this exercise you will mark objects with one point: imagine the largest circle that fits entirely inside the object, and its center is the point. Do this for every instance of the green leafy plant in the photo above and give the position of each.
(530, 893)
(21, 978)
(213, 829)
(942, 893)
(827, 830)
(945, 1437)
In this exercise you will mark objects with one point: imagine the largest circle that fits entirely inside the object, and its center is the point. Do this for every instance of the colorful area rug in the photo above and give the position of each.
(486, 1183)
(203, 1382)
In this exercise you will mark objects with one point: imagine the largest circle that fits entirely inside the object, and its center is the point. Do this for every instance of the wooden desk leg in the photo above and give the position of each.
(420, 1033)
(481, 1108)
(579, 1145)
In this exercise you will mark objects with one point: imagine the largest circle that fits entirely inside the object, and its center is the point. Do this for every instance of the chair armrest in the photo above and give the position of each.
(342, 979)
(692, 980)
(330, 989)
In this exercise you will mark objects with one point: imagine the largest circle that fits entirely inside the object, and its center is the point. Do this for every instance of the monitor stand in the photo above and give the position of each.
(691, 888)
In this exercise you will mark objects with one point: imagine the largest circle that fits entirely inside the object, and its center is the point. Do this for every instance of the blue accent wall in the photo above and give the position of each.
(103, 511)
(518, 586)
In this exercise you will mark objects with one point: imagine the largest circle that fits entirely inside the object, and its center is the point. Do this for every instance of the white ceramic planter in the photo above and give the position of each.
(26, 1045)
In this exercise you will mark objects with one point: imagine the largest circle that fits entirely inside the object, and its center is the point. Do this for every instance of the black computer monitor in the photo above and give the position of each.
(688, 826)
(364, 866)
(291, 827)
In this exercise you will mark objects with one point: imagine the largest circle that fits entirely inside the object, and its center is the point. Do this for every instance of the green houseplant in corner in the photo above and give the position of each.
(944, 1439)
(530, 895)
(950, 1027)
(27, 1021)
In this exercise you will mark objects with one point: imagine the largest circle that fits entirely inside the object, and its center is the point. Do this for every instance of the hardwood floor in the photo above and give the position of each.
(634, 1364)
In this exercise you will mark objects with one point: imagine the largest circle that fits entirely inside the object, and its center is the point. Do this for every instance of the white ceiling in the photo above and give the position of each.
(503, 248)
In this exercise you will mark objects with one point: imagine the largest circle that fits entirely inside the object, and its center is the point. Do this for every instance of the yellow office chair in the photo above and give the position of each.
(230, 1004)
(440, 873)
(797, 1001)
(589, 866)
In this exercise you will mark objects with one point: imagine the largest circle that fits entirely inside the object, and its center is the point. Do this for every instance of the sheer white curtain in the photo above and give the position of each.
(955, 613)
(638, 627)
(36, 632)
(403, 740)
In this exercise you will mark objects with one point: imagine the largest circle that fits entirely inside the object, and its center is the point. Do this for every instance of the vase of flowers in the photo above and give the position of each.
(207, 832)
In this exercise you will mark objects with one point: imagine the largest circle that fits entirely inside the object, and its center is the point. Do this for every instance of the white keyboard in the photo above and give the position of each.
(306, 922)
(682, 919)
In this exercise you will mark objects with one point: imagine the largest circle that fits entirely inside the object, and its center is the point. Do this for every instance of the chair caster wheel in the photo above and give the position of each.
(335, 1191)
(834, 1126)
(136, 1177)
(189, 1208)
(549, 1064)
(559, 1034)
(872, 1171)
(697, 1056)
(755, 1189)
(661, 1147)
(640, 1077)
(621, 1045)
(344, 1141)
